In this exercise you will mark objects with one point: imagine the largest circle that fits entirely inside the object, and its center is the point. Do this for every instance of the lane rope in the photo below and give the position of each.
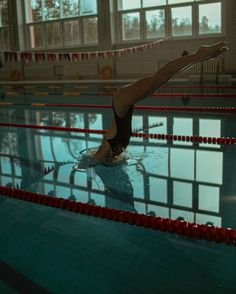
(105, 94)
(137, 107)
(168, 137)
(179, 227)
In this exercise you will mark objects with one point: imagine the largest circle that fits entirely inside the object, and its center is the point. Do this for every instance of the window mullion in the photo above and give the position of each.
(142, 25)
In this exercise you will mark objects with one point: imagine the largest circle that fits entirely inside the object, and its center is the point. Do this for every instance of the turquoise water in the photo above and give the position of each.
(65, 252)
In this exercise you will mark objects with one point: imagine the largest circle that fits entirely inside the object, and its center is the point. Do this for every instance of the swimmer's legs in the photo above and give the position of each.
(141, 89)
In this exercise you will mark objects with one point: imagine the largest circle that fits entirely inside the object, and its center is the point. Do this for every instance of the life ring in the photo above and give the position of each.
(105, 73)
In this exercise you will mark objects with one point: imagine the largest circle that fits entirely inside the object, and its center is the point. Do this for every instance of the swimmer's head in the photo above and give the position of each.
(92, 157)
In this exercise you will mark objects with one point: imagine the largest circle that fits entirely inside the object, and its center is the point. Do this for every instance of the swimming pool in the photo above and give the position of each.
(176, 179)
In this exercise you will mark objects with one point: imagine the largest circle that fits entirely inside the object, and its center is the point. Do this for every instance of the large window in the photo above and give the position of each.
(64, 23)
(151, 19)
(4, 29)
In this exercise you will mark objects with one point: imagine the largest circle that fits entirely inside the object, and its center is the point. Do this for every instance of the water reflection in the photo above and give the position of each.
(193, 182)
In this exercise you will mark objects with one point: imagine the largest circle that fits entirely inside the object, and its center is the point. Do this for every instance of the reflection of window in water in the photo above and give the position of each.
(209, 167)
(6, 165)
(59, 118)
(183, 127)
(183, 194)
(209, 198)
(9, 143)
(182, 163)
(158, 189)
(161, 127)
(95, 123)
(45, 147)
(137, 124)
(76, 119)
(210, 128)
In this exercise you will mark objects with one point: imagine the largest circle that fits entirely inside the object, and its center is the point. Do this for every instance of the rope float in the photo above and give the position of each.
(105, 94)
(179, 227)
(139, 107)
(168, 137)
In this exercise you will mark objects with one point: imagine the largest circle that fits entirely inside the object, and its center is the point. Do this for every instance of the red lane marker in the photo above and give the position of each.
(179, 227)
(220, 95)
(138, 107)
(194, 95)
(170, 137)
(199, 87)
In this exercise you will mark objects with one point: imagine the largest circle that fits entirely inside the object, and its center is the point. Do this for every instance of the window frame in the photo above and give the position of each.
(61, 21)
(168, 22)
(2, 28)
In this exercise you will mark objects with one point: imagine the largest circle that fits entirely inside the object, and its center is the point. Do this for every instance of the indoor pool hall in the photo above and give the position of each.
(117, 146)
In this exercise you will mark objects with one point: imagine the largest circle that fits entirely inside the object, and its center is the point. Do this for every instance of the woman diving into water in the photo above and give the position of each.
(117, 137)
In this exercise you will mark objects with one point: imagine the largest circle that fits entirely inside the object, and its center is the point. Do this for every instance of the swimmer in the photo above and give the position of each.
(118, 135)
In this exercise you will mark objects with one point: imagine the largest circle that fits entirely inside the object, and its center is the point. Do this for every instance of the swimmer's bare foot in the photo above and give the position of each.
(208, 52)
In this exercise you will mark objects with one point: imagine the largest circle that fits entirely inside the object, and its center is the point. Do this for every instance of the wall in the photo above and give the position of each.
(130, 66)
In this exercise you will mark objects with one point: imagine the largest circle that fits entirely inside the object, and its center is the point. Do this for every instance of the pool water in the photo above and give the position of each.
(172, 179)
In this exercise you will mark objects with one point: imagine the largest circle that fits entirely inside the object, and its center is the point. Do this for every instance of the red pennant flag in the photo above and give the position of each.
(30, 56)
(22, 56)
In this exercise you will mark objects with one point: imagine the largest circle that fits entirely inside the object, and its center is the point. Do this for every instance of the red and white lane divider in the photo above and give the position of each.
(179, 227)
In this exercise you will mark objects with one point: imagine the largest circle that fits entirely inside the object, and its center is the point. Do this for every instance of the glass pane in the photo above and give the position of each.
(60, 147)
(210, 128)
(182, 214)
(208, 219)
(97, 199)
(131, 26)
(51, 9)
(64, 174)
(36, 36)
(182, 164)
(53, 34)
(70, 8)
(124, 4)
(6, 38)
(77, 121)
(80, 179)
(59, 118)
(183, 126)
(157, 125)
(158, 189)
(6, 165)
(137, 126)
(157, 161)
(88, 7)
(90, 28)
(33, 9)
(182, 194)
(209, 198)
(76, 146)
(3, 13)
(46, 148)
(181, 21)
(179, 1)
(155, 23)
(210, 167)
(210, 18)
(95, 123)
(136, 181)
(150, 3)
(158, 211)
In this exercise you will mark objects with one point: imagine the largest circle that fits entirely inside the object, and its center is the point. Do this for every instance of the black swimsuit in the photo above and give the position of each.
(123, 132)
